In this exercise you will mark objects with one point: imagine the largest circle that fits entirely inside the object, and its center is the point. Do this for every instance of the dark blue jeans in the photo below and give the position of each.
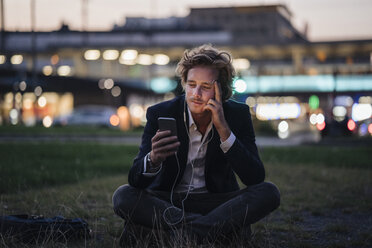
(202, 214)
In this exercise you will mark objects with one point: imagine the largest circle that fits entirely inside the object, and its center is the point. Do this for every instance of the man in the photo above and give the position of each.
(188, 182)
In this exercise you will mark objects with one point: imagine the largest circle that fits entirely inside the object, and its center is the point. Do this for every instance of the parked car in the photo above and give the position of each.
(91, 115)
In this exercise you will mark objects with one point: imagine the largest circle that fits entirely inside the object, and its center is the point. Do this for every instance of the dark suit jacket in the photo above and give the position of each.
(242, 158)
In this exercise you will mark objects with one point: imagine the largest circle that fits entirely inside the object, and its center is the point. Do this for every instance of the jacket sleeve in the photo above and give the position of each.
(243, 155)
(136, 177)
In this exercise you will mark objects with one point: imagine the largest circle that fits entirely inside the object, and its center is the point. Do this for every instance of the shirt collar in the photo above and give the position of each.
(193, 125)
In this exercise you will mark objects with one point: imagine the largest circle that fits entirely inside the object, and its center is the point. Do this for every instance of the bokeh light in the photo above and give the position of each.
(108, 83)
(47, 70)
(161, 59)
(110, 54)
(240, 85)
(47, 121)
(114, 120)
(38, 91)
(22, 86)
(92, 54)
(351, 125)
(144, 59)
(321, 126)
(116, 91)
(370, 128)
(16, 59)
(42, 101)
(361, 111)
(283, 126)
(2, 59)
(241, 64)
(64, 70)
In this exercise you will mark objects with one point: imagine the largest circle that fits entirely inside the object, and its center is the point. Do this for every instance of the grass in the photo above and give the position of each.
(25, 166)
(65, 130)
(326, 192)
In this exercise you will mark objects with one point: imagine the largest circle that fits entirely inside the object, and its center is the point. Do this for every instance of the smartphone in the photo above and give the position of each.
(166, 123)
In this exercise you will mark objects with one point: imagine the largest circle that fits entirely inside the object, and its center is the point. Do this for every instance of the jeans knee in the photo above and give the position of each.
(123, 198)
(274, 193)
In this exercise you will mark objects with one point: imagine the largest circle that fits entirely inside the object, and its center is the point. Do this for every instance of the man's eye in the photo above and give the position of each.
(192, 85)
(207, 87)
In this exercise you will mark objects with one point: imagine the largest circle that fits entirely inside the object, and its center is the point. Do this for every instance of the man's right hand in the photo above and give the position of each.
(163, 146)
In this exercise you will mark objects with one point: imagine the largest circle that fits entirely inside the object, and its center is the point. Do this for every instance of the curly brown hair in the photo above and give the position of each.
(209, 56)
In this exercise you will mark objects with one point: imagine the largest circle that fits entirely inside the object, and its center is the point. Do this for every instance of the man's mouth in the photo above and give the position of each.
(197, 102)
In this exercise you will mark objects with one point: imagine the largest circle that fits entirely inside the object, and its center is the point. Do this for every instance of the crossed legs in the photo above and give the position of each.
(203, 215)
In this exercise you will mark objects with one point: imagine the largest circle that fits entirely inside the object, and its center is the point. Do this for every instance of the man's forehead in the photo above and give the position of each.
(202, 73)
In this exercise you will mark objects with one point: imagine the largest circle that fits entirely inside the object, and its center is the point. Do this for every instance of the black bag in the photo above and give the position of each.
(32, 229)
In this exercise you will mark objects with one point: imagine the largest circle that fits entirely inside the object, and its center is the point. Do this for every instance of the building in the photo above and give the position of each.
(271, 56)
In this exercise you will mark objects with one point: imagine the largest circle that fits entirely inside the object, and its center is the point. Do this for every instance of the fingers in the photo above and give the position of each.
(217, 92)
(160, 134)
(163, 146)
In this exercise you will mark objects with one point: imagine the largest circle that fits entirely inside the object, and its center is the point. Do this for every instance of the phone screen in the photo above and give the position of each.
(166, 123)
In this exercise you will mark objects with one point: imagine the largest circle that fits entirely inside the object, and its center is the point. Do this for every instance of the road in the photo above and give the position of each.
(294, 140)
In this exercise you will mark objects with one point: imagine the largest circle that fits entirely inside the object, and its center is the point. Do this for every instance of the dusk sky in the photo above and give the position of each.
(327, 19)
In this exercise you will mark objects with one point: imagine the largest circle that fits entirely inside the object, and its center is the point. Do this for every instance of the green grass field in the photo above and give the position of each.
(326, 191)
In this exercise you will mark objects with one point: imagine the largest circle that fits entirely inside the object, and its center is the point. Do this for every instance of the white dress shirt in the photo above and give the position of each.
(194, 176)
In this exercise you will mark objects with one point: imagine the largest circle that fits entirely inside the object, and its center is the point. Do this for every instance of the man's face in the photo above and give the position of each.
(200, 88)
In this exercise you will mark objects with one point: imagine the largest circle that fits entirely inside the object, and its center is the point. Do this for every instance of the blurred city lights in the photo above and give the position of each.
(27, 103)
(136, 110)
(283, 126)
(250, 101)
(114, 120)
(64, 70)
(16, 59)
(313, 119)
(269, 111)
(361, 111)
(351, 125)
(240, 85)
(101, 84)
(345, 101)
(320, 118)
(92, 54)
(108, 83)
(116, 91)
(22, 86)
(365, 99)
(144, 59)
(47, 121)
(339, 111)
(110, 54)
(127, 61)
(241, 64)
(283, 135)
(363, 129)
(129, 54)
(13, 115)
(321, 126)
(123, 114)
(38, 91)
(128, 57)
(18, 97)
(2, 59)
(314, 102)
(162, 84)
(370, 128)
(161, 59)
(54, 59)
(47, 70)
(42, 101)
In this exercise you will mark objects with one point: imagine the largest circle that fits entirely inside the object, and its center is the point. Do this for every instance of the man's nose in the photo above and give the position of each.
(197, 91)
